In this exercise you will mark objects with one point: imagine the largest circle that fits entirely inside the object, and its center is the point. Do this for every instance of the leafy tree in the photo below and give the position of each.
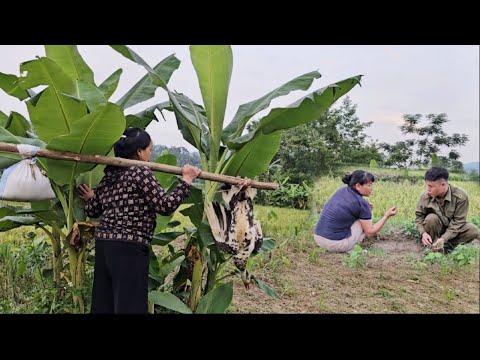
(429, 140)
(399, 154)
(71, 113)
(335, 139)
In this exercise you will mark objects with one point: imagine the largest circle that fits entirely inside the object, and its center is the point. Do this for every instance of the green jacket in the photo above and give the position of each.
(453, 212)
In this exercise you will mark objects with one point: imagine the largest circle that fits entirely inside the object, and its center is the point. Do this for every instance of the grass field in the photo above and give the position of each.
(386, 194)
(391, 273)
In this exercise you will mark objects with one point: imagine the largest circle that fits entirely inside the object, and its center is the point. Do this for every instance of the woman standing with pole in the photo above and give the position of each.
(128, 198)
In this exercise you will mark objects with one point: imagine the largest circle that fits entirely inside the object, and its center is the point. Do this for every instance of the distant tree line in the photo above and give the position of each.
(338, 139)
(182, 154)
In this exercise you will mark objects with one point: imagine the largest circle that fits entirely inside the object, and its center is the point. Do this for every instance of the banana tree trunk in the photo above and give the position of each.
(57, 262)
(76, 276)
(77, 266)
(195, 256)
(79, 278)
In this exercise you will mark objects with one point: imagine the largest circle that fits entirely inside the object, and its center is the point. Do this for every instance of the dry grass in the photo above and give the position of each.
(387, 284)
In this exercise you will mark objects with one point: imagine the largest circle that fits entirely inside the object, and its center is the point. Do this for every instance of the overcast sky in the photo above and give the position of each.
(397, 80)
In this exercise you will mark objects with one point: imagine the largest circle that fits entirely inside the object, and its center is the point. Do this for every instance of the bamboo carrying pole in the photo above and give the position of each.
(115, 161)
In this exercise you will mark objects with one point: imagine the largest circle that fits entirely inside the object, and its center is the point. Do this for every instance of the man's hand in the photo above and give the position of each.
(426, 239)
(438, 245)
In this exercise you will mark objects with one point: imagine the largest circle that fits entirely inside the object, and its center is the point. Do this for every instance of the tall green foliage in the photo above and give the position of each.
(71, 113)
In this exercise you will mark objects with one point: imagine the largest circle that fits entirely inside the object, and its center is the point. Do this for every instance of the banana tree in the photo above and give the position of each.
(71, 113)
(227, 150)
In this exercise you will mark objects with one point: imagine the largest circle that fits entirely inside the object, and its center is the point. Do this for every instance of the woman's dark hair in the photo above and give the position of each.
(132, 140)
(358, 177)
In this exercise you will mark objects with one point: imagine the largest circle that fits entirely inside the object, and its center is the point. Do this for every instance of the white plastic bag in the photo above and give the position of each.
(24, 180)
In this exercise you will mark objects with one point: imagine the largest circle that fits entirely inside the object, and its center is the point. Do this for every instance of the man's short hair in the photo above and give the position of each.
(436, 173)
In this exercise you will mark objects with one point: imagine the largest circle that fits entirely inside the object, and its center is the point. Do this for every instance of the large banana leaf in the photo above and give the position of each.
(307, 109)
(3, 119)
(192, 122)
(213, 65)
(168, 301)
(6, 211)
(110, 84)
(190, 132)
(93, 177)
(204, 235)
(145, 117)
(17, 125)
(9, 83)
(156, 80)
(90, 178)
(35, 97)
(78, 208)
(12, 222)
(166, 179)
(194, 212)
(254, 158)
(132, 56)
(162, 222)
(164, 238)
(169, 265)
(52, 113)
(235, 128)
(54, 217)
(145, 88)
(217, 300)
(45, 71)
(7, 158)
(93, 134)
(91, 94)
(70, 60)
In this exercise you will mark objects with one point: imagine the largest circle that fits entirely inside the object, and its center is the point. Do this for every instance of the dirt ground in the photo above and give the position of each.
(387, 283)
